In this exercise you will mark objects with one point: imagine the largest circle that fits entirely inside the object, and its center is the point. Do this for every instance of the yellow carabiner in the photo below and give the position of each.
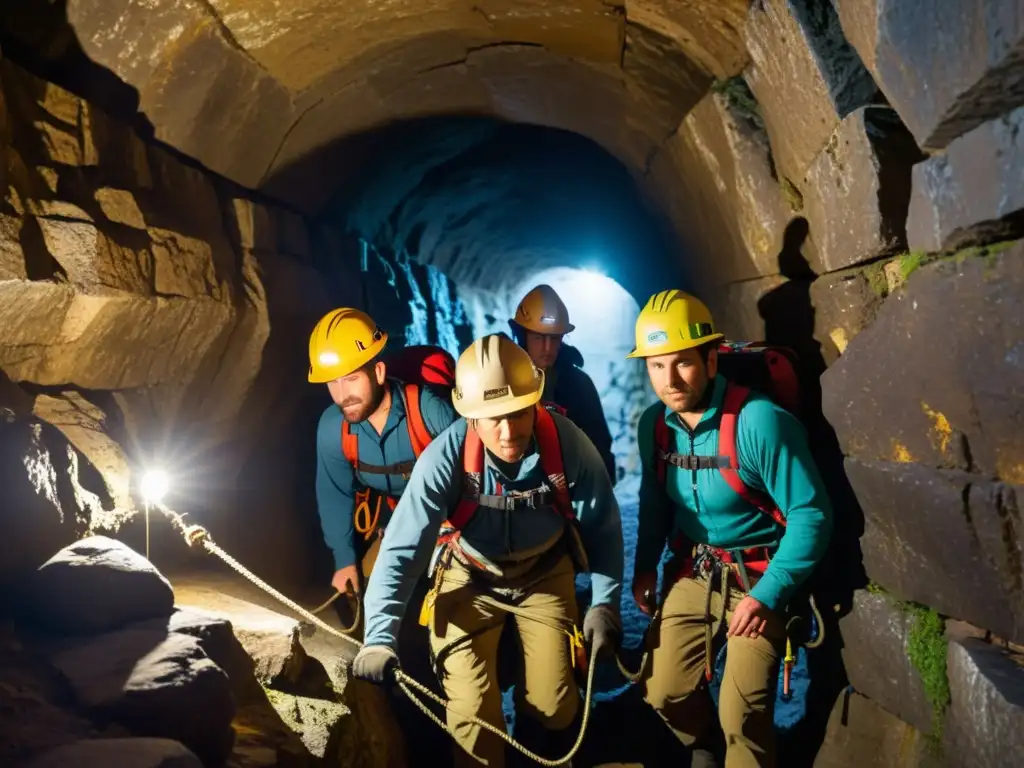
(575, 643)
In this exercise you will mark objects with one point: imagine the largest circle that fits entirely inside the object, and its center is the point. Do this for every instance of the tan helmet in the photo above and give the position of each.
(495, 377)
(541, 311)
(343, 341)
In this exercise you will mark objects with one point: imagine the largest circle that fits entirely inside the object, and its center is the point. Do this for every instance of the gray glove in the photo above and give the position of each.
(602, 630)
(373, 663)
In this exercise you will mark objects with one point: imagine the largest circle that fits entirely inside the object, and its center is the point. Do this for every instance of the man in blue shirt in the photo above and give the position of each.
(367, 440)
(523, 501)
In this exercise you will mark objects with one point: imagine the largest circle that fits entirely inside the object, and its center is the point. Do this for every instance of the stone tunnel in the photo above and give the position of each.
(189, 185)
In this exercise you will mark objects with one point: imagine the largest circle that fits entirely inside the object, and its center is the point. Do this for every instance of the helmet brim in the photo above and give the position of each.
(680, 346)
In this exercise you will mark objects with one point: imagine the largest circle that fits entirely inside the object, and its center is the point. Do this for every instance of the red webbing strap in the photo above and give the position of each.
(473, 467)
(735, 396)
(349, 445)
(550, 447)
(419, 436)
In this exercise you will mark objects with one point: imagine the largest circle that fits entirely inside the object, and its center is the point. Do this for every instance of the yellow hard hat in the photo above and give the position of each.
(672, 321)
(541, 311)
(343, 341)
(495, 377)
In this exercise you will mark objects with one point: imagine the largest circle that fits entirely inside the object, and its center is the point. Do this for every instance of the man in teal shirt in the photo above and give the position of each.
(541, 508)
(734, 562)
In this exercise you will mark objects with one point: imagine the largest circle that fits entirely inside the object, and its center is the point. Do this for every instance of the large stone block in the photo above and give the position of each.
(53, 336)
(944, 539)
(937, 378)
(985, 724)
(95, 585)
(806, 77)
(735, 207)
(94, 262)
(160, 47)
(973, 192)
(155, 683)
(845, 303)
(857, 190)
(946, 67)
(860, 734)
(875, 657)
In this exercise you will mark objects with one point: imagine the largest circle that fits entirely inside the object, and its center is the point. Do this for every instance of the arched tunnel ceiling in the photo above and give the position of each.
(493, 203)
(261, 91)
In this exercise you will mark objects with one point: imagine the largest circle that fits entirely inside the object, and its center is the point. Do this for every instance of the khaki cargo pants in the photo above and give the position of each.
(469, 670)
(675, 683)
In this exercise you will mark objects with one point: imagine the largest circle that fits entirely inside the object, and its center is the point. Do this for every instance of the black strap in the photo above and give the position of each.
(511, 503)
(403, 468)
(687, 461)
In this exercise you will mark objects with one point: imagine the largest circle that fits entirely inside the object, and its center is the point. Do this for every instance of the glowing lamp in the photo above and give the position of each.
(155, 485)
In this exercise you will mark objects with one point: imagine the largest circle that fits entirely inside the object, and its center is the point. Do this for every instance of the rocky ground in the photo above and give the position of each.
(106, 658)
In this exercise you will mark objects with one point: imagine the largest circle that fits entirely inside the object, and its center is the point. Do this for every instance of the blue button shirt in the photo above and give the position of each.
(336, 480)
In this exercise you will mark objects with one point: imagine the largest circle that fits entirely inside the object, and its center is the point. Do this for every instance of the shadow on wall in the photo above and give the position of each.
(788, 315)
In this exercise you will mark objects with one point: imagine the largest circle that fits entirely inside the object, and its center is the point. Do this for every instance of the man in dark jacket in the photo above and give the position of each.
(540, 323)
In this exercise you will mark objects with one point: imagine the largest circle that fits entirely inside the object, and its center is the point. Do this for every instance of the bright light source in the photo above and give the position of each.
(155, 485)
(594, 270)
(329, 358)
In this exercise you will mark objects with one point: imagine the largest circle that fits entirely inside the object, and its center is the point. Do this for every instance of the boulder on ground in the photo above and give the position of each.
(97, 584)
(122, 753)
(155, 683)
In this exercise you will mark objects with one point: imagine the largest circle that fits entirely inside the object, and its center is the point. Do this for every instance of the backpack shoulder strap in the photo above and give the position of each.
(472, 467)
(735, 397)
(349, 445)
(419, 435)
(550, 446)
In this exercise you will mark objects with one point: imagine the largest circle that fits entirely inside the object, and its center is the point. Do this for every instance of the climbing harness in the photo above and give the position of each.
(555, 495)
(198, 537)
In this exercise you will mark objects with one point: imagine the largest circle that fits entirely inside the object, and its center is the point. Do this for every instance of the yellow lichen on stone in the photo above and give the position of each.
(900, 452)
(1010, 470)
(941, 431)
(838, 336)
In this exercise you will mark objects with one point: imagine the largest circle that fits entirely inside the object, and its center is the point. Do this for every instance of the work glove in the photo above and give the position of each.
(602, 630)
(374, 663)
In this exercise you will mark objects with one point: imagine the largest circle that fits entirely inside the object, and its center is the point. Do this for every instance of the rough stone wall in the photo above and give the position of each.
(858, 194)
(149, 317)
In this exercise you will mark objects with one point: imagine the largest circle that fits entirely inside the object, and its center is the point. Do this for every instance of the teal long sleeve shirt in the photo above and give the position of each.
(336, 480)
(434, 491)
(774, 458)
